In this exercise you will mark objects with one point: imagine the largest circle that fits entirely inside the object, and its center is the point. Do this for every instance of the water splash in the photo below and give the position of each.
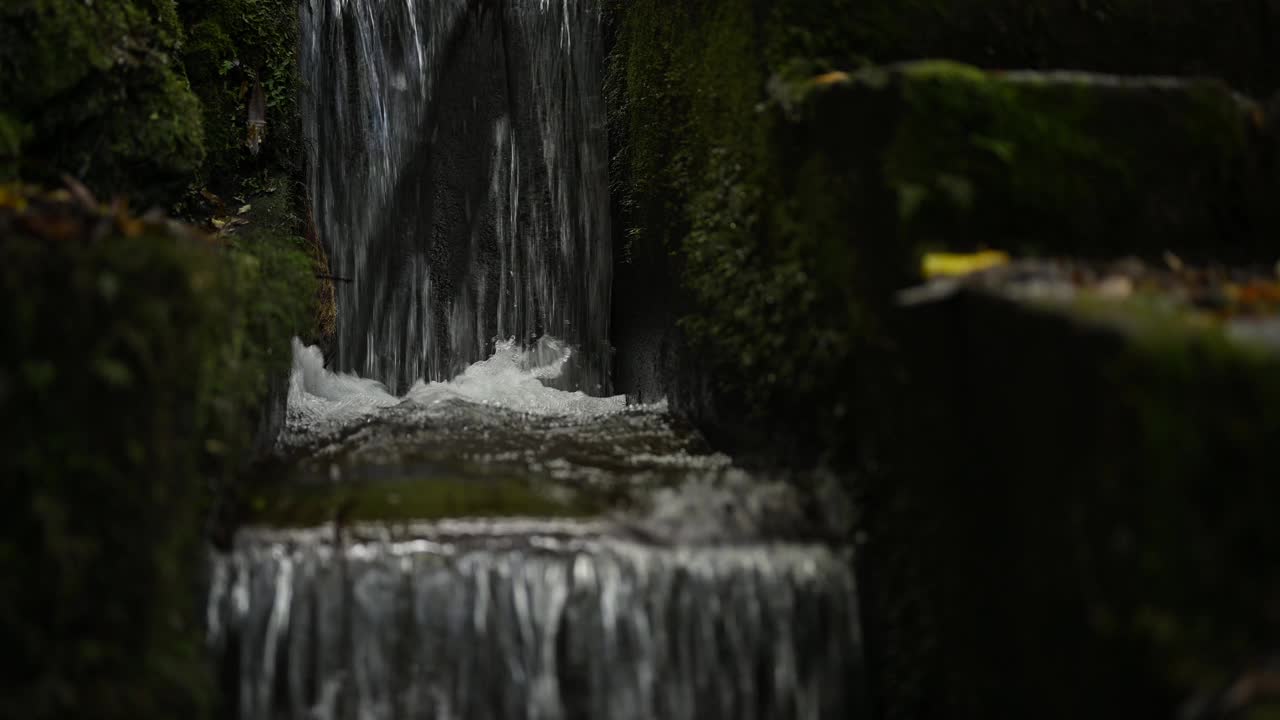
(323, 404)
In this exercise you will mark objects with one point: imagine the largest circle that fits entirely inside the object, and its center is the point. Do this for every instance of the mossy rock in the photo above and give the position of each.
(1065, 163)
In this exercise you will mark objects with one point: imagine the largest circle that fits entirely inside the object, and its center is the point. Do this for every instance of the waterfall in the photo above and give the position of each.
(458, 178)
(457, 158)
(534, 619)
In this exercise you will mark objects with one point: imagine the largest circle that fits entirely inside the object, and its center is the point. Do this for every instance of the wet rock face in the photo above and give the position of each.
(459, 181)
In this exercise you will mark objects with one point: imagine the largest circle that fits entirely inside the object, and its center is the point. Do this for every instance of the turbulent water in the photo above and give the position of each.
(705, 593)
(458, 162)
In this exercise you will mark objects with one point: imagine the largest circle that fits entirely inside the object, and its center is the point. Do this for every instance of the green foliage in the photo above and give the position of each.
(796, 201)
(410, 499)
(136, 355)
(232, 44)
(99, 88)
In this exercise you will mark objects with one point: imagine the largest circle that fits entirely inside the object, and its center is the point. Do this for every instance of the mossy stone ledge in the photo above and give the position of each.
(1056, 163)
(1074, 499)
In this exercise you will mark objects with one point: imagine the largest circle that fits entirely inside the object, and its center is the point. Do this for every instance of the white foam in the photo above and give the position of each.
(512, 379)
(322, 402)
(320, 399)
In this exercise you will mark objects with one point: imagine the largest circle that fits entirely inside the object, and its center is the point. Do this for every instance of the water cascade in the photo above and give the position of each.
(606, 563)
(534, 620)
(459, 176)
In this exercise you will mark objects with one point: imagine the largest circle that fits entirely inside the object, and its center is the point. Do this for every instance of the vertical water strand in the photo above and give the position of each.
(538, 628)
(448, 230)
(564, 41)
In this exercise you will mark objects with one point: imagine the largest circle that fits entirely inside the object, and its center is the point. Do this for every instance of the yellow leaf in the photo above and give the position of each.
(831, 78)
(955, 264)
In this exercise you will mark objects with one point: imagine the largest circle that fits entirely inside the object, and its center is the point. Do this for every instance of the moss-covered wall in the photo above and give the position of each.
(144, 359)
(133, 351)
(699, 195)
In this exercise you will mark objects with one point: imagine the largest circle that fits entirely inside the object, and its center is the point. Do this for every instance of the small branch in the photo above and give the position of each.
(334, 278)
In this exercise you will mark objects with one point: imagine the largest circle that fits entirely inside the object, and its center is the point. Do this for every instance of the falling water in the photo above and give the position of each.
(458, 179)
(542, 620)
(458, 172)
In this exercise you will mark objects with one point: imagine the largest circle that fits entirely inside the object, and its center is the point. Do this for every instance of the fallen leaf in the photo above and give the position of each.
(937, 265)
(831, 78)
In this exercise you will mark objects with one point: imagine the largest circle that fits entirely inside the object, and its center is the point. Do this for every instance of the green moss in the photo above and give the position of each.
(407, 500)
(701, 184)
(98, 86)
(109, 323)
(1059, 163)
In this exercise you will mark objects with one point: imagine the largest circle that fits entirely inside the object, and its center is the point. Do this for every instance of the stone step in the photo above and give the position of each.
(1231, 39)
(1081, 467)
